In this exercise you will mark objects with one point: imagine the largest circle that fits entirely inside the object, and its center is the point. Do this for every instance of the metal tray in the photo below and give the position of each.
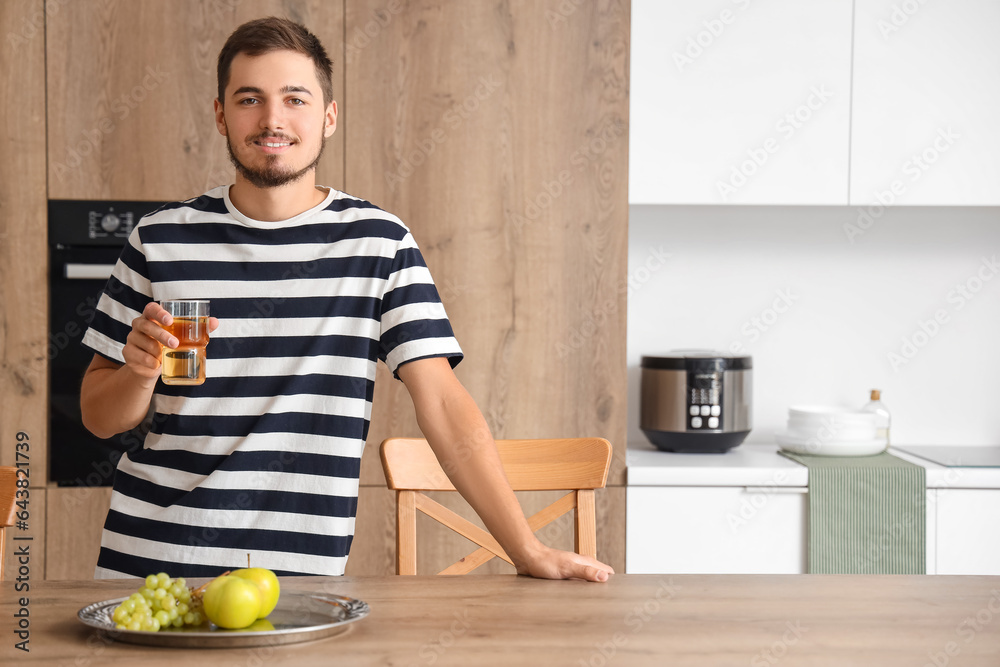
(298, 617)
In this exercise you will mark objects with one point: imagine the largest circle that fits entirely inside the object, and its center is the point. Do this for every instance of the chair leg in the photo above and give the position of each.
(586, 523)
(406, 532)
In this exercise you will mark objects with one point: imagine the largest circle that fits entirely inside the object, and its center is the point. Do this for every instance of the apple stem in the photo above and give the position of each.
(197, 592)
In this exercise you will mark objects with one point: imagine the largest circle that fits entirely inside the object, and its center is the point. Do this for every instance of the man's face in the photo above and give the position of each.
(274, 119)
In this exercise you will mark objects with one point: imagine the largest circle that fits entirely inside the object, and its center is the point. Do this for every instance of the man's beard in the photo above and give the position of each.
(270, 175)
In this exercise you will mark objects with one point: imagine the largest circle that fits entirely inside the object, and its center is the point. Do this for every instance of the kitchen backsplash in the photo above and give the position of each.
(831, 302)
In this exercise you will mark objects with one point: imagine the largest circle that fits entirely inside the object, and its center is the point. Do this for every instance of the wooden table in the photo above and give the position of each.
(757, 620)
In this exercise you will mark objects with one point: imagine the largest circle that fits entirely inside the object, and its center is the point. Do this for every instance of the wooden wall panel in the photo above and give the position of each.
(36, 545)
(499, 135)
(131, 85)
(73, 531)
(23, 256)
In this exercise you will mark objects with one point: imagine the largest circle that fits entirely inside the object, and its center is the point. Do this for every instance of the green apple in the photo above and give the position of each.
(267, 582)
(232, 602)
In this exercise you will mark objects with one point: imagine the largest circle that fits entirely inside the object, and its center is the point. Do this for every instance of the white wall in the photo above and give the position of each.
(858, 282)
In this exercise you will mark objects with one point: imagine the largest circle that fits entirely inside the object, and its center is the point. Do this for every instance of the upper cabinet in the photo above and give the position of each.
(826, 102)
(739, 102)
(926, 103)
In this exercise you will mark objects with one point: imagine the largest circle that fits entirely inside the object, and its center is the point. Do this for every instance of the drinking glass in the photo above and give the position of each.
(186, 363)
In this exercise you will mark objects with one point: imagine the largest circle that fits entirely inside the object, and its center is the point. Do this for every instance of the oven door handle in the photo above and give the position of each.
(88, 271)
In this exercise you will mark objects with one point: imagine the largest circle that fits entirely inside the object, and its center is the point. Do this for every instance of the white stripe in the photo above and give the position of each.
(258, 442)
(233, 518)
(98, 341)
(291, 252)
(413, 275)
(425, 347)
(234, 480)
(413, 312)
(269, 289)
(282, 366)
(336, 406)
(220, 557)
(262, 327)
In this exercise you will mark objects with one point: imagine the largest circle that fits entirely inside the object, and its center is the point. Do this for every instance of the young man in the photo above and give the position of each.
(311, 287)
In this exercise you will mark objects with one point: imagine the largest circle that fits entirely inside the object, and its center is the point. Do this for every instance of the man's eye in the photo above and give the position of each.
(296, 101)
(248, 101)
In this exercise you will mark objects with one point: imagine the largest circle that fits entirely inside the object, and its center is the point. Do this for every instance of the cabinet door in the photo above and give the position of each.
(715, 530)
(75, 519)
(967, 539)
(739, 102)
(926, 100)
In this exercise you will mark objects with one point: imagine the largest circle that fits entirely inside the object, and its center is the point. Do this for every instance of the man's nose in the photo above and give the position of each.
(273, 117)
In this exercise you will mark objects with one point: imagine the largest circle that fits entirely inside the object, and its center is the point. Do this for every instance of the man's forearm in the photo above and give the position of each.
(461, 439)
(114, 399)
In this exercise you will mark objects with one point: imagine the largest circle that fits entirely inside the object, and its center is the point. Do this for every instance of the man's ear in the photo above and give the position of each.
(330, 121)
(220, 118)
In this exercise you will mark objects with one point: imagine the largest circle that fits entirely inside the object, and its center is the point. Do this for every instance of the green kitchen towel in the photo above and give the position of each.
(867, 514)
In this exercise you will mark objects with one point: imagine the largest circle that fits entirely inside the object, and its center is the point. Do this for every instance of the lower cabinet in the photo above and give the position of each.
(716, 530)
(967, 539)
(74, 521)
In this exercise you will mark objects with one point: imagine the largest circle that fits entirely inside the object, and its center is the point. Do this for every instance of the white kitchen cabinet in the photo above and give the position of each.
(968, 540)
(719, 530)
(926, 98)
(739, 102)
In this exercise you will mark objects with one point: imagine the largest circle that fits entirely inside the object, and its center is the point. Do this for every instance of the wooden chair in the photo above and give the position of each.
(8, 491)
(579, 465)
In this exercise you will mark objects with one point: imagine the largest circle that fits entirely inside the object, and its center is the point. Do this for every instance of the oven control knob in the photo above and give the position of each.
(110, 222)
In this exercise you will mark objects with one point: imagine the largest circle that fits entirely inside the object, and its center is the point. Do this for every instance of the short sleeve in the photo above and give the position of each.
(413, 323)
(123, 299)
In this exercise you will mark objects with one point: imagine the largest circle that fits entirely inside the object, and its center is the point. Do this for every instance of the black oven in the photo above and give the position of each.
(85, 240)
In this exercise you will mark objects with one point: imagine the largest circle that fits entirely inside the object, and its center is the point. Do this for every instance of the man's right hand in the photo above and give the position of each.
(144, 344)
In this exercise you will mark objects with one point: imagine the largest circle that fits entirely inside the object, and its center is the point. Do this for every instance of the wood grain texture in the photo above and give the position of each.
(130, 90)
(530, 465)
(73, 530)
(35, 546)
(500, 137)
(679, 620)
(373, 550)
(23, 255)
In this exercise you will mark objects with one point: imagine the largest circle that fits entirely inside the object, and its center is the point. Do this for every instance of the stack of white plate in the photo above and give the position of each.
(830, 431)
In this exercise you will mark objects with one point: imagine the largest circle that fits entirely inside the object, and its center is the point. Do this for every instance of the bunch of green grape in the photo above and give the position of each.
(160, 604)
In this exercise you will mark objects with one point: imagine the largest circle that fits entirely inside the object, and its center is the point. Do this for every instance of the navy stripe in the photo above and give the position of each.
(125, 295)
(328, 267)
(244, 425)
(302, 306)
(408, 294)
(133, 259)
(109, 326)
(203, 203)
(192, 233)
(289, 346)
(274, 385)
(404, 333)
(236, 499)
(137, 566)
(347, 203)
(227, 538)
(253, 461)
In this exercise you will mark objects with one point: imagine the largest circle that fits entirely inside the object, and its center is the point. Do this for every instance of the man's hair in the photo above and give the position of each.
(261, 36)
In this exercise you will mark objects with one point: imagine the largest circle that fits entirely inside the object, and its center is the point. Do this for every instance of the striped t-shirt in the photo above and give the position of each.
(264, 457)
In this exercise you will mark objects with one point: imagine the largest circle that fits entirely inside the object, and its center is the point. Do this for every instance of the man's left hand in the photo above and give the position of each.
(548, 563)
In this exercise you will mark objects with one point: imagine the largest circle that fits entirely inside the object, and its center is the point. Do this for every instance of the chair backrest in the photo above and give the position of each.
(577, 465)
(8, 510)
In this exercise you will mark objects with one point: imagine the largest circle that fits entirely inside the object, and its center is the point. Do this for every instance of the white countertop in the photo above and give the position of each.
(761, 465)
